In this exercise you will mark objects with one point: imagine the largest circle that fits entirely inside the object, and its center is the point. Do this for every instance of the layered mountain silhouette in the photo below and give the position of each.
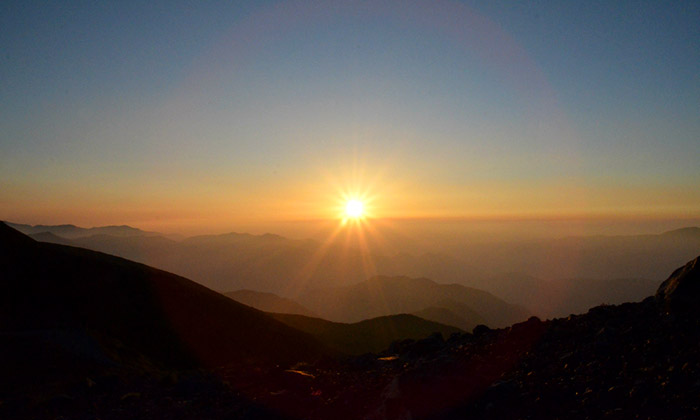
(71, 231)
(549, 277)
(635, 360)
(453, 313)
(132, 314)
(269, 302)
(556, 298)
(368, 336)
(88, 335)
(97, 309)
(444, 313)
(588, 257)
(382, 295)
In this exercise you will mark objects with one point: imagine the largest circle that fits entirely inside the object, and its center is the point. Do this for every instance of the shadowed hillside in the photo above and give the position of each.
(368, 336)
(269, 302)
(87, 335)
(449, 312)
(382, 296)
(131, 310)
(552, 277)
(636, 360)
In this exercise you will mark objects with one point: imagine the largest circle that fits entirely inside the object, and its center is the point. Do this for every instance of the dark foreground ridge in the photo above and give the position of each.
(73, 347)
(68, 313)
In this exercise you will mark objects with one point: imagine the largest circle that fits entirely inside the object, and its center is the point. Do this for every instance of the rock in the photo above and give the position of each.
(681, 291)
(502, 389)
(130, 396)
(427, 346)
(480, 330)
(529, 329)
(401, 346)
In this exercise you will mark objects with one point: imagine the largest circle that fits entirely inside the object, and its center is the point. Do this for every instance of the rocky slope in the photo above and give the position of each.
(632, 361)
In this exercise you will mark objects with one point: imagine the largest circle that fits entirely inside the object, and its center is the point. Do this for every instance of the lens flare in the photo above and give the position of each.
(354, 209)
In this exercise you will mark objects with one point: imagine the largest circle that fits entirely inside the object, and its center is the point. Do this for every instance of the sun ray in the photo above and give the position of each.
(302, 278)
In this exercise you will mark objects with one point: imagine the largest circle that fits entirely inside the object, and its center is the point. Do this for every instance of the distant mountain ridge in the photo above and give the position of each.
(384, 295)
(72, 319)
(692, 232)
(449, 312)
(50, 238)
(368, 336)
(267, 263)
(140, 315)
(269, 302)
(553, 277)
(69, 231)
(561, 297)
(446, 312)
(647, 256)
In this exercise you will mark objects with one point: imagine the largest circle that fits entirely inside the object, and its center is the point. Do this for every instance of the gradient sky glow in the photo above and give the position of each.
(210, 115)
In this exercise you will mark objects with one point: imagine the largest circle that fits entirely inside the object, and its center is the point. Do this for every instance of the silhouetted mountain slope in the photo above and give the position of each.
(561, 297)
(382, 296)
(368, 336)
(167, 319)
(144, 249)
(268, 260)
(269, 302)
(636, 360)
(680, 293)
(72, 311)
(51, 238)
(446, 312)
(72, 231)
(692, 233)
(286, 267)
(267, 263)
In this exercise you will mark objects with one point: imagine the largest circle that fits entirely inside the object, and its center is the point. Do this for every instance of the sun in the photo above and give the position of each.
(354, 209)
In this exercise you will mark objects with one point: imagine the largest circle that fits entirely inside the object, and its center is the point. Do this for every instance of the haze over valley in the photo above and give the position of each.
(341, 209)
(576, 272)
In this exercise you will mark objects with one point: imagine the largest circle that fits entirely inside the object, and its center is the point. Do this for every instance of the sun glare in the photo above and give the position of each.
(354, 209)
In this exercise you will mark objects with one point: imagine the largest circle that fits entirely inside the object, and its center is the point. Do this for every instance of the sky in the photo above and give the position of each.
(191, 116)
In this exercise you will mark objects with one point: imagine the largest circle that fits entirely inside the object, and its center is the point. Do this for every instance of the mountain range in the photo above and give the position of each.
(132, 314)
(548, 277)
(98, 309)
(269, 302)
(382, 295)
(72, 232)
(89, 335)
(368, 336)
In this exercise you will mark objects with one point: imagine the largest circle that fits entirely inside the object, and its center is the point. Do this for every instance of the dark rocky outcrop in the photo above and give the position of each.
(681, 291)
(630, 361)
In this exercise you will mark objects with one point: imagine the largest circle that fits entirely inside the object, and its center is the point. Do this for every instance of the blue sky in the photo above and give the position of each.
(265, 109)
